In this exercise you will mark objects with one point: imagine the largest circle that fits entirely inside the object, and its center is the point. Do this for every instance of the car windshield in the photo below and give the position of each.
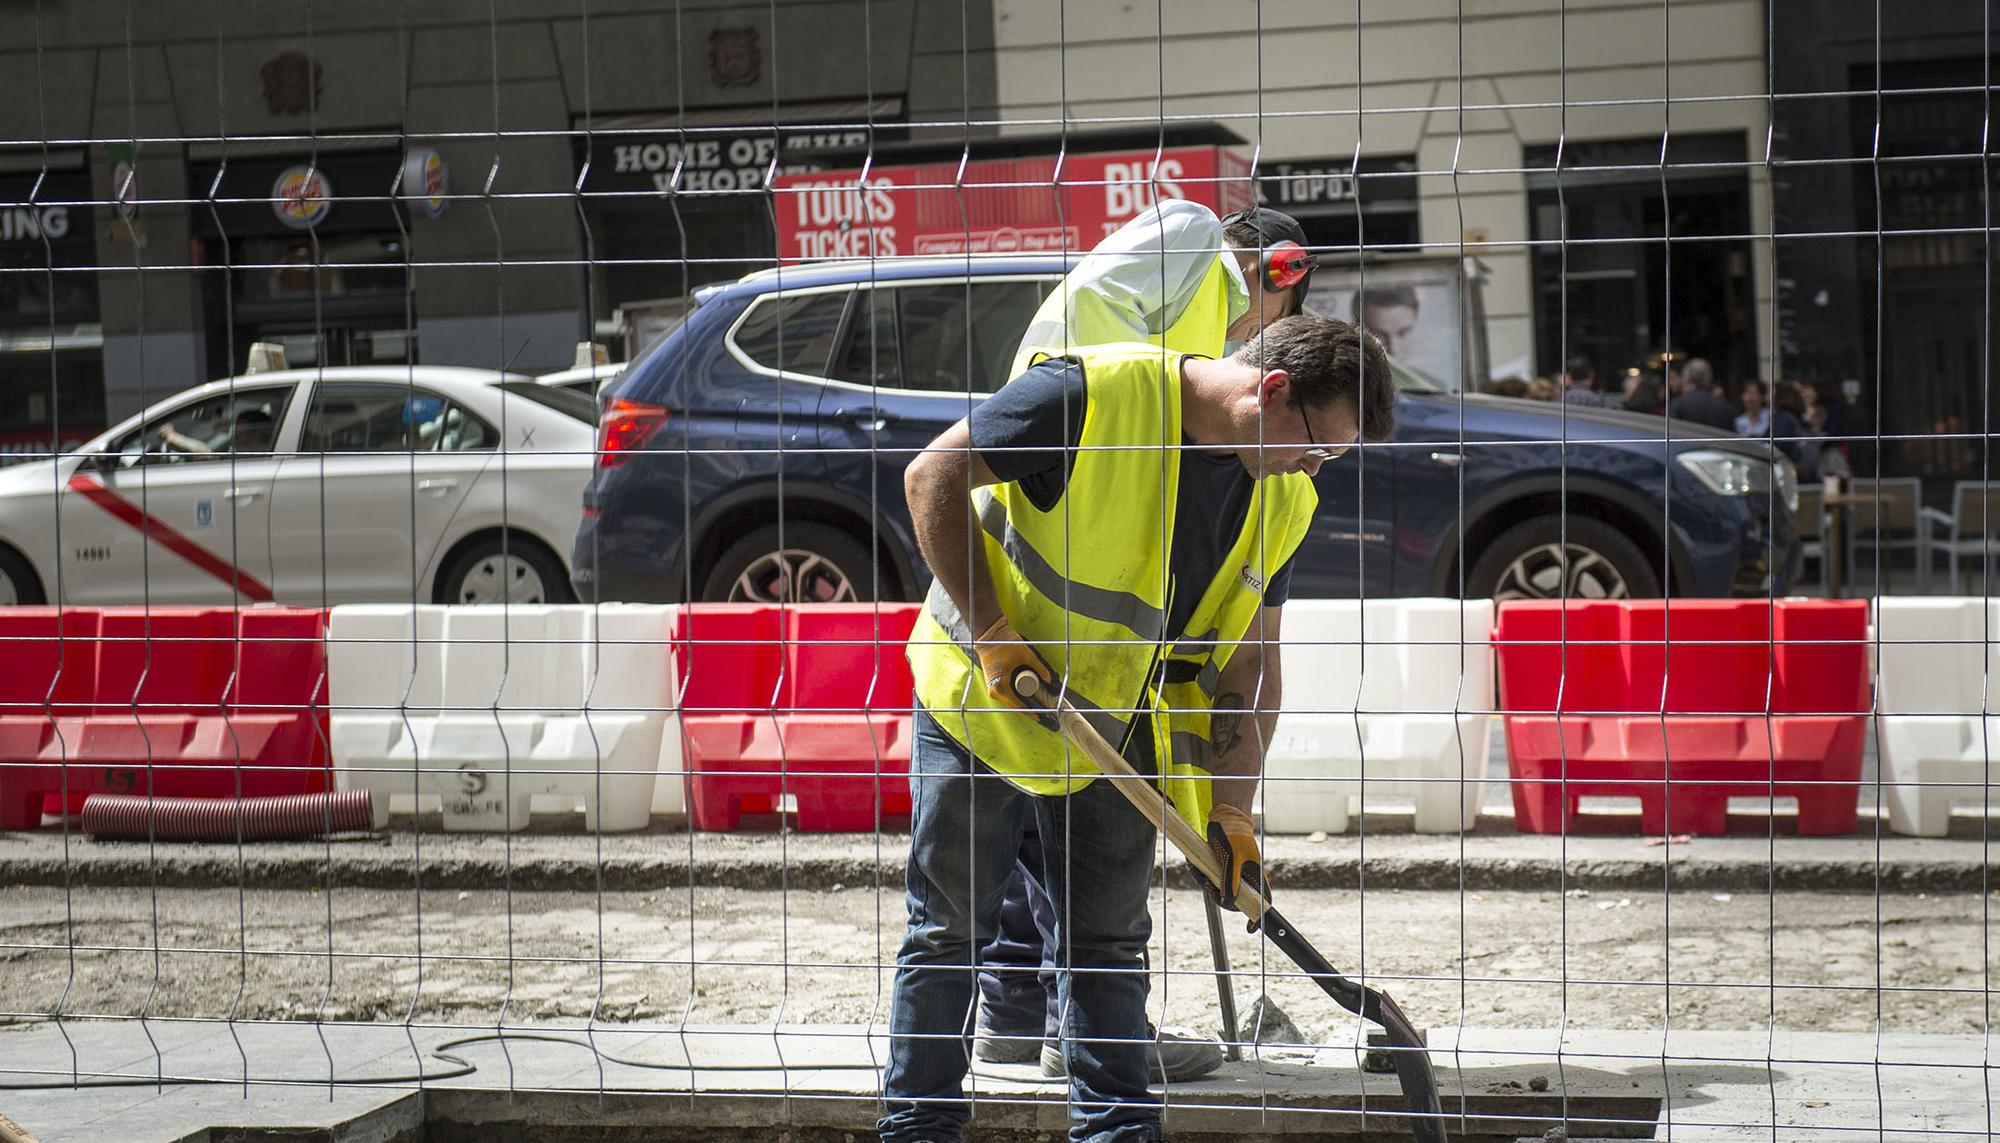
(562, 400)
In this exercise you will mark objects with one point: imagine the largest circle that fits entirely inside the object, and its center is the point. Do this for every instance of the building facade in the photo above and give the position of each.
(378, 182)
(1553, 175)
(1884, 192)
(466, 183)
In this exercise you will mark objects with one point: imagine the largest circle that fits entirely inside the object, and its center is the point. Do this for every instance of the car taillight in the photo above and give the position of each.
(625, 428)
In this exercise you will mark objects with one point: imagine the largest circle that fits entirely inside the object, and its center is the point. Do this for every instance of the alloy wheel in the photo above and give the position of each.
(1543, 572)
(792, 575)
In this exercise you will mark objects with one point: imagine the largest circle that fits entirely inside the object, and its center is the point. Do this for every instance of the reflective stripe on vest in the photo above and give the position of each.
(1106, 604)
(1086, 583)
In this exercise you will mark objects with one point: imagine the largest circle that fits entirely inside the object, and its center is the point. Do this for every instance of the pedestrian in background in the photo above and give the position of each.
(1794, 436)
(1826, 413)
(1580, 384)
(1644, 397)
(1755, 419)
(1815, 414)
(1542, 389)
(1693, 400)
(1825, 418)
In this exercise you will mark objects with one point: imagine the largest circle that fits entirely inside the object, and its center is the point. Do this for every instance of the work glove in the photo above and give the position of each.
(1002, 655)
(1233, 838)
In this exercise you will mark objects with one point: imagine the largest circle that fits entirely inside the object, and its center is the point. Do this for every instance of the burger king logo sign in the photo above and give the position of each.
(301, 197)
(426, 180)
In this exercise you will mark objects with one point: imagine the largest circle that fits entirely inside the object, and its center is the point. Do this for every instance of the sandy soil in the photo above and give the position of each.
(1532, 960)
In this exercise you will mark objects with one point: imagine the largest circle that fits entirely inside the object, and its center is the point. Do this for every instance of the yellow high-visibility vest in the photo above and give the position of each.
(1087, 583)
(1200, 328)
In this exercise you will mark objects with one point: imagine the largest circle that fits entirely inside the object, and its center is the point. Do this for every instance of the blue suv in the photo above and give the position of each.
(756, 453)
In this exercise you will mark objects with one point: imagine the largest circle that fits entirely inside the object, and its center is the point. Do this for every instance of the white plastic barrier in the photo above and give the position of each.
(1391, 698)
(1939, 659)
(490, 712)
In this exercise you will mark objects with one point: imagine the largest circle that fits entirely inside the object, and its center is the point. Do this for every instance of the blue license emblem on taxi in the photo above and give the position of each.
(204, 513)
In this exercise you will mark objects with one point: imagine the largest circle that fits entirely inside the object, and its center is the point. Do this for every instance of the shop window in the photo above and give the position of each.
(286, 267)
(50, 384)
(1631, 258)
(339, 345)
(51, 343)
(1927, 308)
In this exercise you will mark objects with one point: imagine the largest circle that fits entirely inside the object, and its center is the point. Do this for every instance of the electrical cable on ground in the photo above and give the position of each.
(464, 1067)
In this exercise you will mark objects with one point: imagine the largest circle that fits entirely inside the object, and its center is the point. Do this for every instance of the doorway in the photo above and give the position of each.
(1628, 264)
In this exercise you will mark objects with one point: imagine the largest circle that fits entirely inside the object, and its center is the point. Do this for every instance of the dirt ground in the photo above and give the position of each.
(1530, 960)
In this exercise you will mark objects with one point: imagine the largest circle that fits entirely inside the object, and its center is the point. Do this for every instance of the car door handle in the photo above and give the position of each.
(437, 486)
(242, 495)
(868, 420)
(1449, 459)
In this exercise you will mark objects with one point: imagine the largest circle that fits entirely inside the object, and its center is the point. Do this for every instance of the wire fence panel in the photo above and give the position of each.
(806, 569)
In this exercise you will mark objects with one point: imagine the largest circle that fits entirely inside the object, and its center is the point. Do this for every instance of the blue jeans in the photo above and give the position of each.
(966, 829)
(1017, 976)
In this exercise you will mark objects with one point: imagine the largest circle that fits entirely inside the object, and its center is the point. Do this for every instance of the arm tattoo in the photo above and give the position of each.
(1226, 725)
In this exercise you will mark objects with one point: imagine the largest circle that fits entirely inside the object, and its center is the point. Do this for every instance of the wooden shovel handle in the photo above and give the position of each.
(1140, 791)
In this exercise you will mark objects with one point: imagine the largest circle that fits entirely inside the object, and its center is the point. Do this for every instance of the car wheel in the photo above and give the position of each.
(524, 572)
(1537, 560)
(18, 582)
(809, 563)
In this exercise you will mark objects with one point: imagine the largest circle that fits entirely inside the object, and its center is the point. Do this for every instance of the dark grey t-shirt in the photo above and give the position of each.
(1027, 432)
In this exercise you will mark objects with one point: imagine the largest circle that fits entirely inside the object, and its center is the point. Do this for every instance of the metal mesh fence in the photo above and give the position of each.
(585, 569)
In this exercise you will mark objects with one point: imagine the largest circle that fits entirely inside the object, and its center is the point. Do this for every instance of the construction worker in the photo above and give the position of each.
(1114, 527)
(1180, 277)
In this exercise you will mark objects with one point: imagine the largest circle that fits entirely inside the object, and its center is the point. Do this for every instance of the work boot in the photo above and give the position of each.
(989, 1046)
(1176, 1056)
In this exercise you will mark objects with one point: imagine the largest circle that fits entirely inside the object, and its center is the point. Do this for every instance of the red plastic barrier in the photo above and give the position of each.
(1684, 705)
(186, 702)
(48, 655)
(811, 702)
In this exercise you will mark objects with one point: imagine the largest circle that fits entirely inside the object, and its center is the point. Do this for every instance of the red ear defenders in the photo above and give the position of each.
(1286, 264)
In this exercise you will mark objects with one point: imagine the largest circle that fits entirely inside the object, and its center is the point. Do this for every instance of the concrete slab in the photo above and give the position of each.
(1705, 1085)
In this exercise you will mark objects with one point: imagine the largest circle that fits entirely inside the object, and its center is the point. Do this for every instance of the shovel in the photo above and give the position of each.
(1405, 1043)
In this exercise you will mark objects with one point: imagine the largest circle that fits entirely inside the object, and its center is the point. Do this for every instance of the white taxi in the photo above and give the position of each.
(311, 486)
(584, 379)
(592, 371)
